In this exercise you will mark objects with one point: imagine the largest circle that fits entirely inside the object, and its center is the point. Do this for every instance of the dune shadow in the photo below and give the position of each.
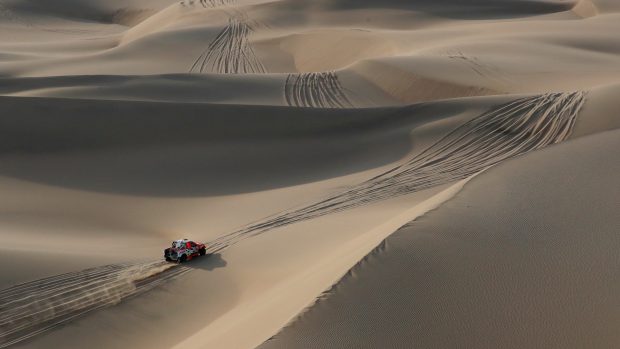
(209, 262)
(473, 9)
(499, 134)
(191, 150)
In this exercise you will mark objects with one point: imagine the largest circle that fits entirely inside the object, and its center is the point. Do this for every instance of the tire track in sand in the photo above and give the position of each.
(231, 51)
(208, 3)
(484, 70)
(35, 307)
(315, 90)
(216, 3)
(504, 132)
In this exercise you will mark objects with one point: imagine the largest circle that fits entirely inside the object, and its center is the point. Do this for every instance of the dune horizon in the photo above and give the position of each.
(362, 173)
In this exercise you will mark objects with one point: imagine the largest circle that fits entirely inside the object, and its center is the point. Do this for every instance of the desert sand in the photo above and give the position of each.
(519, 258)
(365, 173)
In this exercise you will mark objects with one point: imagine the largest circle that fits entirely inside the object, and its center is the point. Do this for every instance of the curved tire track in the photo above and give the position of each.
(315, 90)
(32, 308)
(504, 132)
(216, 3)
(209, 3)
(484, 70)
(231, 51)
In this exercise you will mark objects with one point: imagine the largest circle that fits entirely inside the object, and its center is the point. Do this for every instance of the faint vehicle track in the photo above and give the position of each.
(484, 70)
(315, 90)
(209, 3)
(504, 132)
(231, 51)
(38, 306)
(473, 62)
(501, 133)
(216, 3)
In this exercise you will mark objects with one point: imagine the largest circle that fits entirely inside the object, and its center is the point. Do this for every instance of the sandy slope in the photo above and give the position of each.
(393, 59)
(292, 135)
(313, 249)
(525, 256)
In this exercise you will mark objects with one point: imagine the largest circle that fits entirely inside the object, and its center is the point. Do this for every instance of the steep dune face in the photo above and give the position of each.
(292, 137)
(505, 263)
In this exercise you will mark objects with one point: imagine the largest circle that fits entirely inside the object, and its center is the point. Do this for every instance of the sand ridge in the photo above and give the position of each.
(507, 131)
(488, 268)
(292, 136)
(540, 121)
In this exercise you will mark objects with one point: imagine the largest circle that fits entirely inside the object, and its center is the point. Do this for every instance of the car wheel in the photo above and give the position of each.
(203, 251)
(183, 259)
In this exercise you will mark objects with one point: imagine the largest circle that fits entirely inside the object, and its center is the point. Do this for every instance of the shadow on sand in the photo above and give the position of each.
(209, 262)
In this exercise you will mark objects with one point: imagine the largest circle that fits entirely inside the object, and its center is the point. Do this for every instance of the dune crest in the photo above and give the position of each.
(585, 9)
(293, 137)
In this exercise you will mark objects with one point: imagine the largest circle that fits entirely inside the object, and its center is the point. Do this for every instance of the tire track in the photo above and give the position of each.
(209, 3)
(484, 70)
(315, 90)
(216, 3)
(231, 51)
(35, 307)
(504, 132)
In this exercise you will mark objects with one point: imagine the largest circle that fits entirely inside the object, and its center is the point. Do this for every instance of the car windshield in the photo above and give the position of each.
(177, 244)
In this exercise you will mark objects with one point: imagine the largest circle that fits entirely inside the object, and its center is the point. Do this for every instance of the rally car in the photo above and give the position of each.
(184, 250)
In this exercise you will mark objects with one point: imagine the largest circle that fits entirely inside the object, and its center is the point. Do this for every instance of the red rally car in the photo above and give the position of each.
(184, 250)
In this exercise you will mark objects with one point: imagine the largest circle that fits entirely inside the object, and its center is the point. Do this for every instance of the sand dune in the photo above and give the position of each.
(536, 116)
(315, 90)
(499, 134)
(230, 52)
(293, 136)
(38, 306)
(490, 267)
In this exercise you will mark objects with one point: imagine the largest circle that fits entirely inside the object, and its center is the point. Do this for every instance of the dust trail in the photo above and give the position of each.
(315, 90)
(35, 307)
(510, 130)
(231, 51)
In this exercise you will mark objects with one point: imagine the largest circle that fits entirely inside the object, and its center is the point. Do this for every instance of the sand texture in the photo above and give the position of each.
(365, 173)
(523, 256)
